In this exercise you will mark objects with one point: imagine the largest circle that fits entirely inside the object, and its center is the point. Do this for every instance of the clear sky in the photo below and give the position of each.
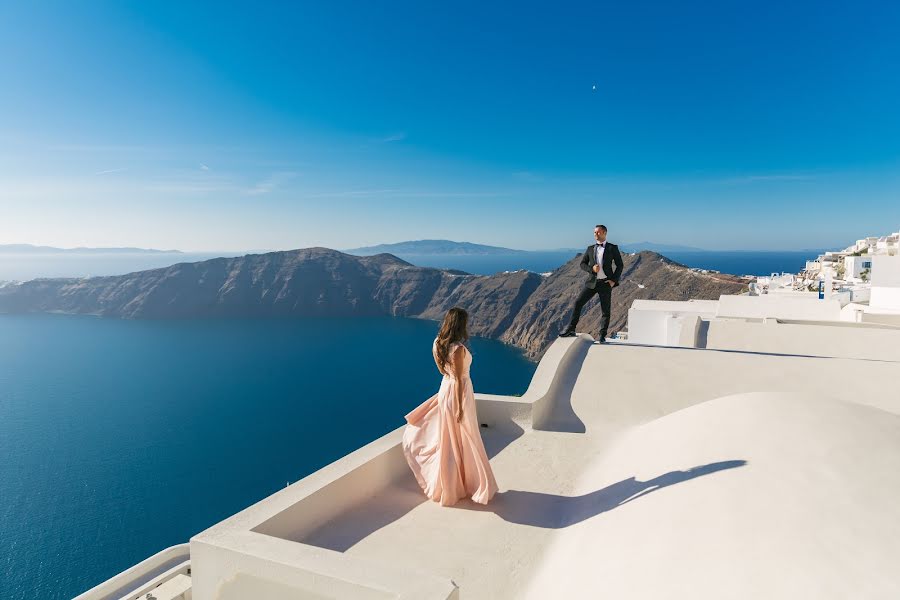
(231, 126)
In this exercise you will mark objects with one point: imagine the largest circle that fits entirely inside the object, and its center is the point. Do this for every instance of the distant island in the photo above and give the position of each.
(432, 247)
(31, 249)
(449, 247)
(521, 308)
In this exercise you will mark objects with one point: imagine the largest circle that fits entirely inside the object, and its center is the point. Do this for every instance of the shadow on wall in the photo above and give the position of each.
(556, 512)
(384, 508)
(559, 415)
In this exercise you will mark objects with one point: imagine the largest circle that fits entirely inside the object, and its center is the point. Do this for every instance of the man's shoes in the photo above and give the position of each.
(602, 340)
(567, 333)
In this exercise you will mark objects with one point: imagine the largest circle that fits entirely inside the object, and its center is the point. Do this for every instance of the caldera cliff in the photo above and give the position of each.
(521, 308)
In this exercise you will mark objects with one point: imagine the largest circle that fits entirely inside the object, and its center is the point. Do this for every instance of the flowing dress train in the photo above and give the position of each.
(448, 457)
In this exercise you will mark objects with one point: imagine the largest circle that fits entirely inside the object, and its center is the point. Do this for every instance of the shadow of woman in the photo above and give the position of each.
(551, 511)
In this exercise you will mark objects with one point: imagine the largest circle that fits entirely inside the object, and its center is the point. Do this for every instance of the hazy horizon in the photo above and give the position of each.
(345, 248)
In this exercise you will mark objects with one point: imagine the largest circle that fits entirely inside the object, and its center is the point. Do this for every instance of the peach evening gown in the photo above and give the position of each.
(448, 457)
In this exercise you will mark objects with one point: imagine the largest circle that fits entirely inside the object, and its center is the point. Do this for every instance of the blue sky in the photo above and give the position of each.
(229, 126)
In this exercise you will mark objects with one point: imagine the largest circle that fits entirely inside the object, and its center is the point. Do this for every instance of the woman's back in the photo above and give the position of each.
(449, 370)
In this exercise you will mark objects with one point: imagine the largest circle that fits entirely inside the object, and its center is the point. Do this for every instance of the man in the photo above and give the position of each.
(598, 261)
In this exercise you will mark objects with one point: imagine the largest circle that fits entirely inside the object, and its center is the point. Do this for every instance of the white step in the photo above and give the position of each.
(176, 588)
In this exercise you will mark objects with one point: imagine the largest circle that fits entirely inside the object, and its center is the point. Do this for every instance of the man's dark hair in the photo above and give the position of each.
(603, 227)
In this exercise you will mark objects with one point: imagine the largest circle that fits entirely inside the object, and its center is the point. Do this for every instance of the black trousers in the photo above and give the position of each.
(604, 291)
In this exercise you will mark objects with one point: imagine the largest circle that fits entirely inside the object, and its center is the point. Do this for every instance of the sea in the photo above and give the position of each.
(733, 262)
(119, 438)
(22, 267)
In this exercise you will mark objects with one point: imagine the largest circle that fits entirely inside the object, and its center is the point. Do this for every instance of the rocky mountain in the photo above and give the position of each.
(521, 308)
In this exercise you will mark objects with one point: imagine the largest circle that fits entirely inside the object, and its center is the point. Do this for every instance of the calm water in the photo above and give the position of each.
(120, 438)
(539, 262)
(735, 262)
(746, 262)
(22, 267)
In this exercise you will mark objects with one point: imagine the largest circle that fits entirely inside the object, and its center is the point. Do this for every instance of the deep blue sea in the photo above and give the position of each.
(119, 438)
(745, 262)
(734, 262)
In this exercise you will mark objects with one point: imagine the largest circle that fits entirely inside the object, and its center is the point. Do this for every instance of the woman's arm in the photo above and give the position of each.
(458, 357)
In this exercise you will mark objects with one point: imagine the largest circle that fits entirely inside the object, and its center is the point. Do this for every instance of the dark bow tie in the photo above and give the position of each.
(601, 244)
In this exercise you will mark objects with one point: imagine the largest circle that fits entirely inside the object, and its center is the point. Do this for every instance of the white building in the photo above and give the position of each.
(885, 284)
(854, 266)
(847, 264)
(780, 312)
(887, 244)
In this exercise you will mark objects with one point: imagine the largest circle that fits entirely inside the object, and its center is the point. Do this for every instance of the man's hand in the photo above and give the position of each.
(610, 282)
(596, 268)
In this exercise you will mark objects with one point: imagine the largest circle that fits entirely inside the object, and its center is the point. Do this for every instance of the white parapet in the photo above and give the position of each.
(885, 283)
(798, 306)
(667, 323)
(866, 341)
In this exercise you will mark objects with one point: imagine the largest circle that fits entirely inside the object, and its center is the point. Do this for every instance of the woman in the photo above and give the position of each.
(442, 442)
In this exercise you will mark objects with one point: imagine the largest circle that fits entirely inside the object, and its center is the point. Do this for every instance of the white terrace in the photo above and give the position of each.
(625, 471)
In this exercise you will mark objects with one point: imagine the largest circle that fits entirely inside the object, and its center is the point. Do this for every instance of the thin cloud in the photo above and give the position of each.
(271, 183)
(352, 193)
(196, 181)
(203, 167)
(108, 171)
(397, 137)
(767, 177)
(395, 193)
(527, 176)
(192, 187)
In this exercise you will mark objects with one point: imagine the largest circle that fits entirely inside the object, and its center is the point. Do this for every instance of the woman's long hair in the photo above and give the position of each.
(454, 330)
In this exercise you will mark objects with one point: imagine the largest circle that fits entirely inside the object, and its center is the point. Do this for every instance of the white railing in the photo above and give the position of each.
(143, 577)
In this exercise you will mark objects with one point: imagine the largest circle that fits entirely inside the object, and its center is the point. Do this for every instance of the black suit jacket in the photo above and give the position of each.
(611, 255)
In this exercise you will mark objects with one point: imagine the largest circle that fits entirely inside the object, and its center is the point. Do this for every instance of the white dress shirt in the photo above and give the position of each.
(598, 251)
